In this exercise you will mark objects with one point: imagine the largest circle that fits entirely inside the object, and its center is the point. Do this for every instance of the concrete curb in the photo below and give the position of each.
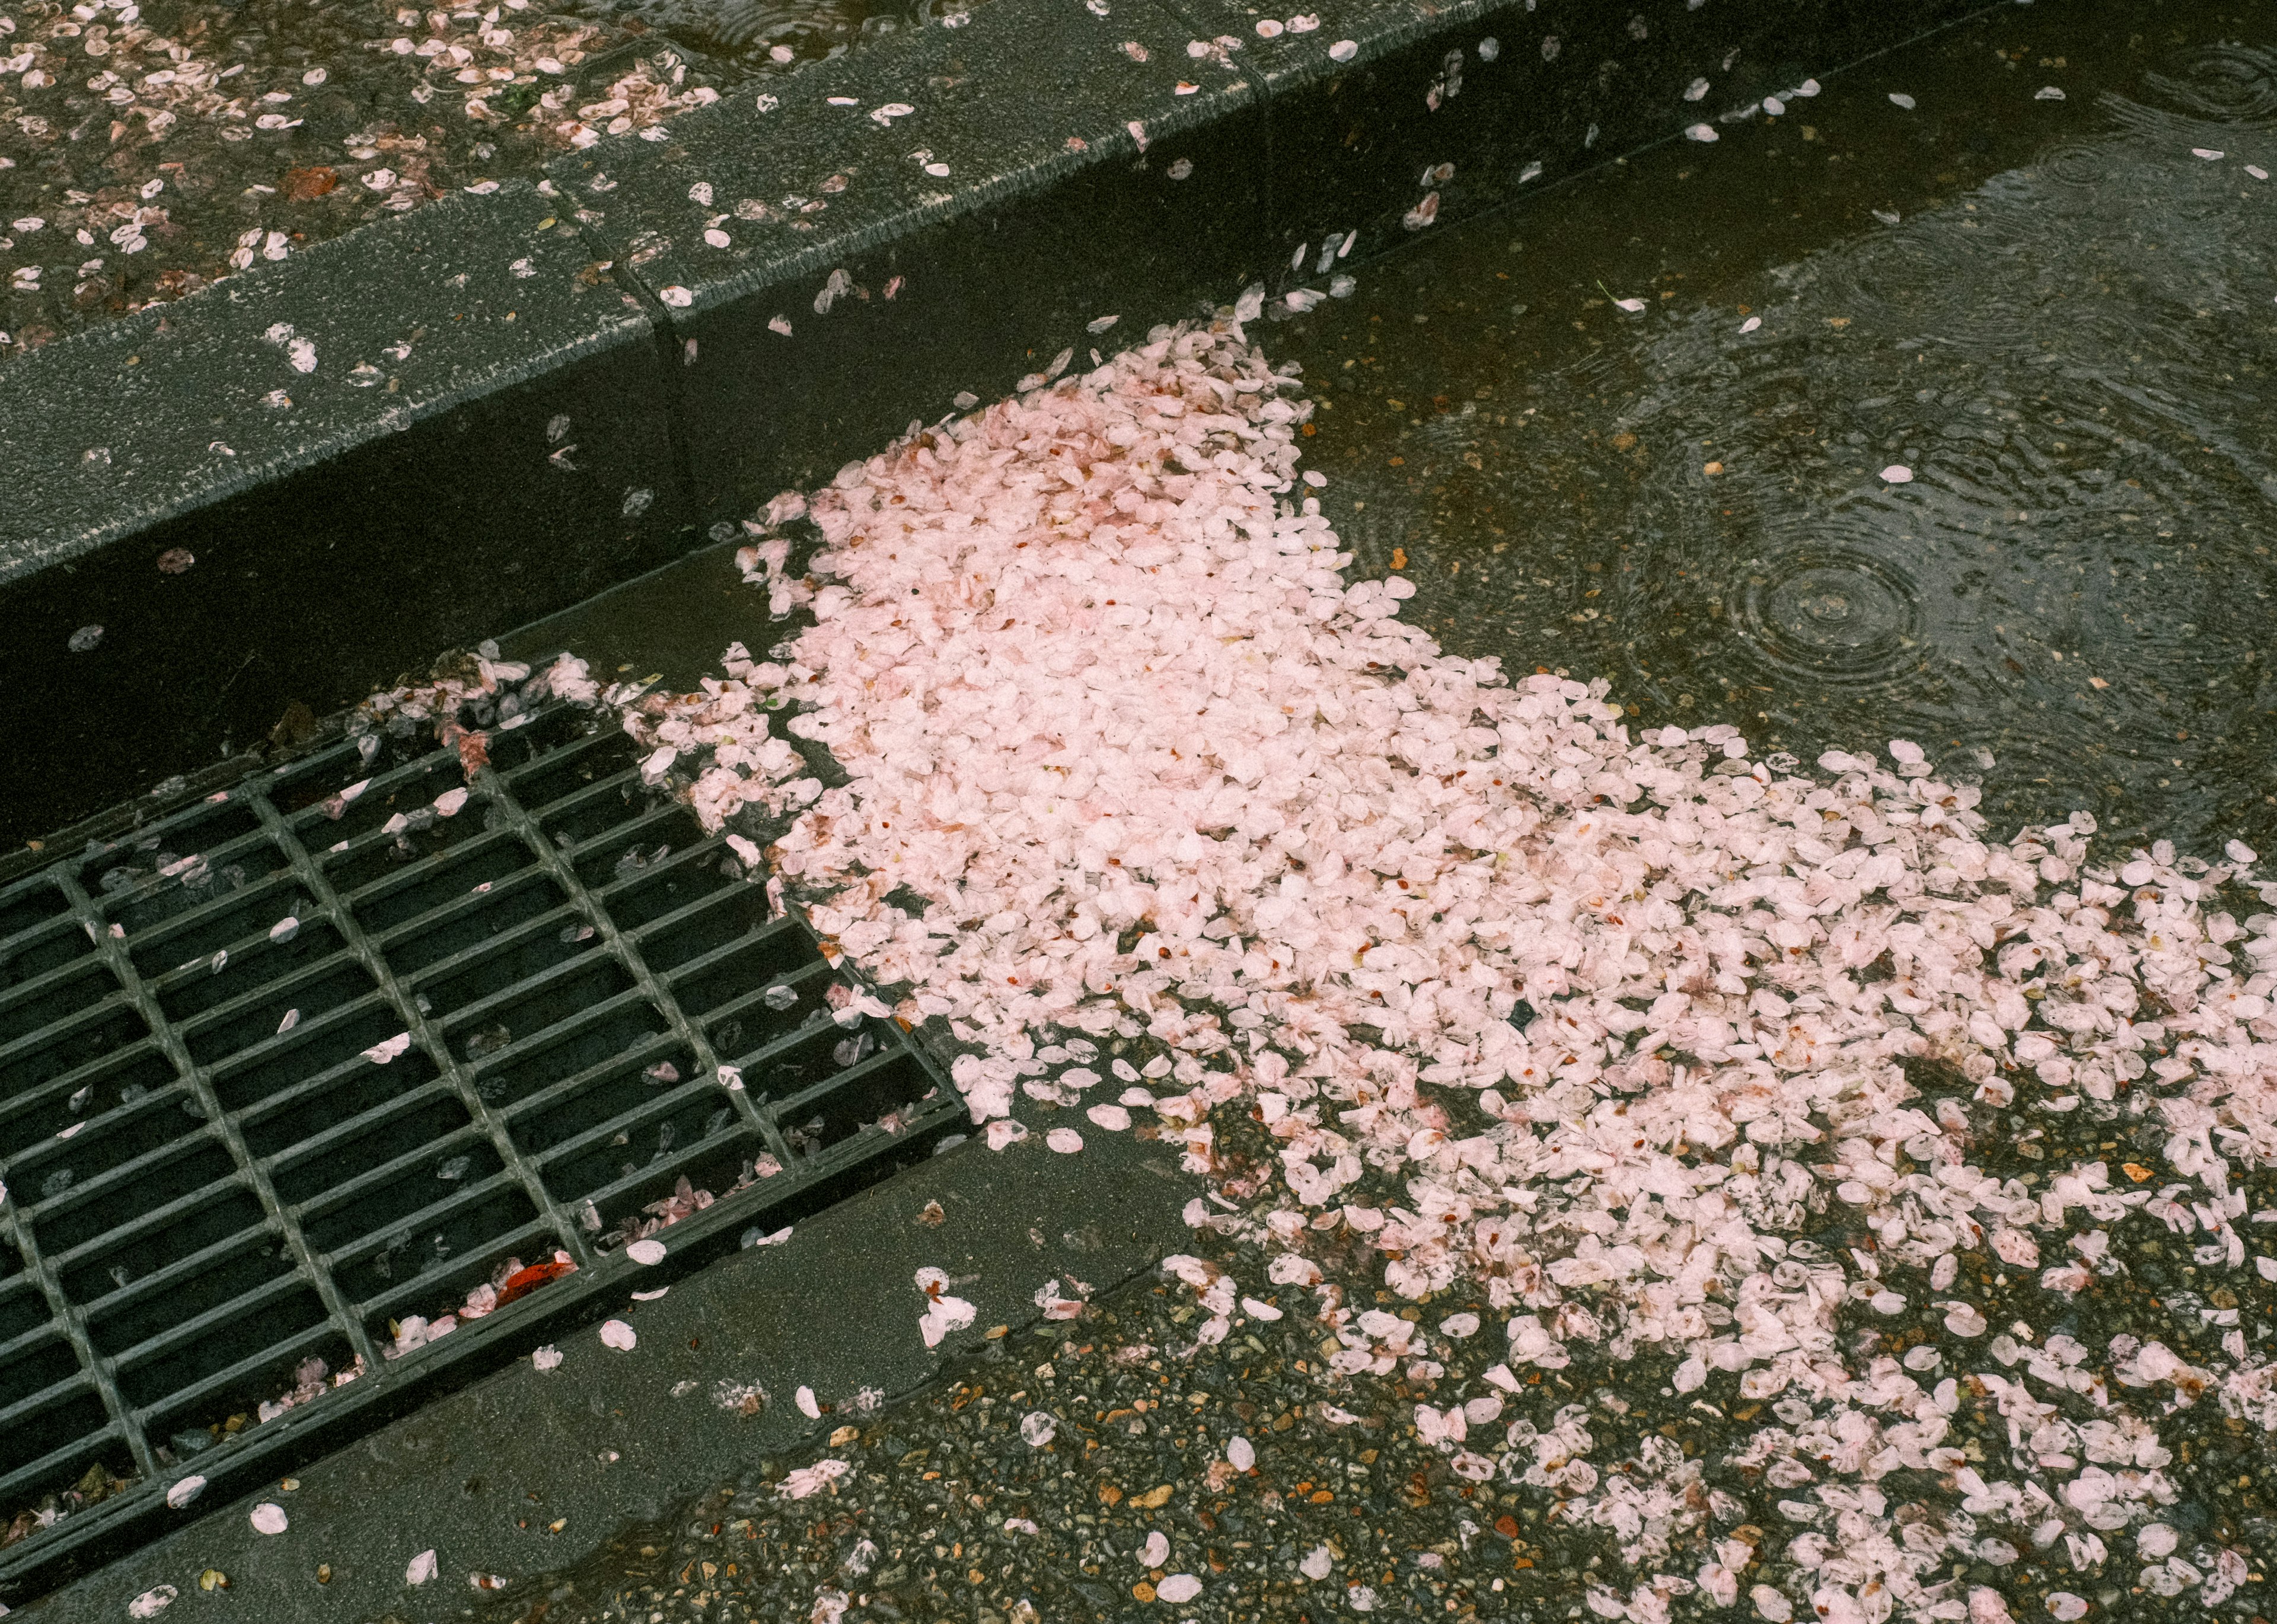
(407, 494)
(517, 399)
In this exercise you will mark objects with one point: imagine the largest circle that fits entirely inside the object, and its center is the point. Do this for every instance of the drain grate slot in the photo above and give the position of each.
(158, 1190)
(317, 1055)
(45, 1365)
(34, 953)
(155, 1254)
(39, 1434)
(303, 1075)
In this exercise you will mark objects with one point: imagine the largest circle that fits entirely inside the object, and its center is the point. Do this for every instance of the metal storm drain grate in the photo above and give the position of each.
(311, 1097)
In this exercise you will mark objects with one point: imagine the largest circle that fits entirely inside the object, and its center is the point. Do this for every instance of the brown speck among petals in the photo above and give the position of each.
(307, 184)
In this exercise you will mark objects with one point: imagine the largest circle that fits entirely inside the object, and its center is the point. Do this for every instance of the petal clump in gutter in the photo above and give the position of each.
(1129, 757)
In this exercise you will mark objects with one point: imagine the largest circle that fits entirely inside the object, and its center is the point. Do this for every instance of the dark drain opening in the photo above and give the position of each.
(337, 1060)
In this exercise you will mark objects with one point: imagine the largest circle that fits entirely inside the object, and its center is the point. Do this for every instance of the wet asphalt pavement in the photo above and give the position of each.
(1534, 459)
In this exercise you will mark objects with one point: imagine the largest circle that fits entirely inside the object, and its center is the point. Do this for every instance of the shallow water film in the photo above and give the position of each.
(2054, 311)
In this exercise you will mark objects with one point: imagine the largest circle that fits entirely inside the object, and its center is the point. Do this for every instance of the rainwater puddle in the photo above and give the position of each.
(2049, 311)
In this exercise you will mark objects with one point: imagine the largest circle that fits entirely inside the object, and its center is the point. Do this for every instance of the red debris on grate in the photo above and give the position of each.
(524, 1281)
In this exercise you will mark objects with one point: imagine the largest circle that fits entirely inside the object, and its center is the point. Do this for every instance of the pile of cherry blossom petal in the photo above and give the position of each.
(1127, 755)
(312, 1379)
(468, 698)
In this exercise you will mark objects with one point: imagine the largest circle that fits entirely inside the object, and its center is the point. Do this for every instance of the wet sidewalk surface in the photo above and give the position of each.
(149, 150)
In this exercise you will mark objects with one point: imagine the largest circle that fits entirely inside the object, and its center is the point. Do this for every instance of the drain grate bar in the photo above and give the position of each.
(627, 949)
(66, 1317)
(563, 1232)
(251, 1174)
(289, 1070)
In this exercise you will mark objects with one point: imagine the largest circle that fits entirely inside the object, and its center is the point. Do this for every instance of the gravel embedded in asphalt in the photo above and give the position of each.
(950, 1511)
